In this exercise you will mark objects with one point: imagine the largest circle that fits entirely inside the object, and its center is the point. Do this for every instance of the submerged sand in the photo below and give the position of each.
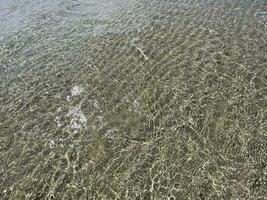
(135, 100)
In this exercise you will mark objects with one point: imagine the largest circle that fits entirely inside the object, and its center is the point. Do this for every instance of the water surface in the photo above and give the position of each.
(133, 99)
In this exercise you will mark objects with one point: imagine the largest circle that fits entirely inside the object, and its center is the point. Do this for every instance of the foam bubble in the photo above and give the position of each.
(76, 90)
(77, 119)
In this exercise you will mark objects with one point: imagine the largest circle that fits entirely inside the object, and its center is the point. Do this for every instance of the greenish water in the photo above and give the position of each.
(133, 99)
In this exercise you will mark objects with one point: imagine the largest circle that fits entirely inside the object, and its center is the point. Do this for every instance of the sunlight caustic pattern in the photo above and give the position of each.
(154, 100)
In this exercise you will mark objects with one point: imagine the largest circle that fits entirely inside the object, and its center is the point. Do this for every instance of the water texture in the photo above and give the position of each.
(133, 99)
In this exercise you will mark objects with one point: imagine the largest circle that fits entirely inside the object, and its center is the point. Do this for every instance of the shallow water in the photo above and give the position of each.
(133, 99)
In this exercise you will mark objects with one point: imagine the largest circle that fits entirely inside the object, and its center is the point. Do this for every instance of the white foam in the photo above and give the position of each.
(76, 90)
(136, 106)
(77, 119)
(52, 144)
(109, 134)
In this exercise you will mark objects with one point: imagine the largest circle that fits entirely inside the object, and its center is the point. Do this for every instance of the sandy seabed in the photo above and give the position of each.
(138, 100)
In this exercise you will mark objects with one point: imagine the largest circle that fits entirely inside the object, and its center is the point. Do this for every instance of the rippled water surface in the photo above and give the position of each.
(136, 99)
